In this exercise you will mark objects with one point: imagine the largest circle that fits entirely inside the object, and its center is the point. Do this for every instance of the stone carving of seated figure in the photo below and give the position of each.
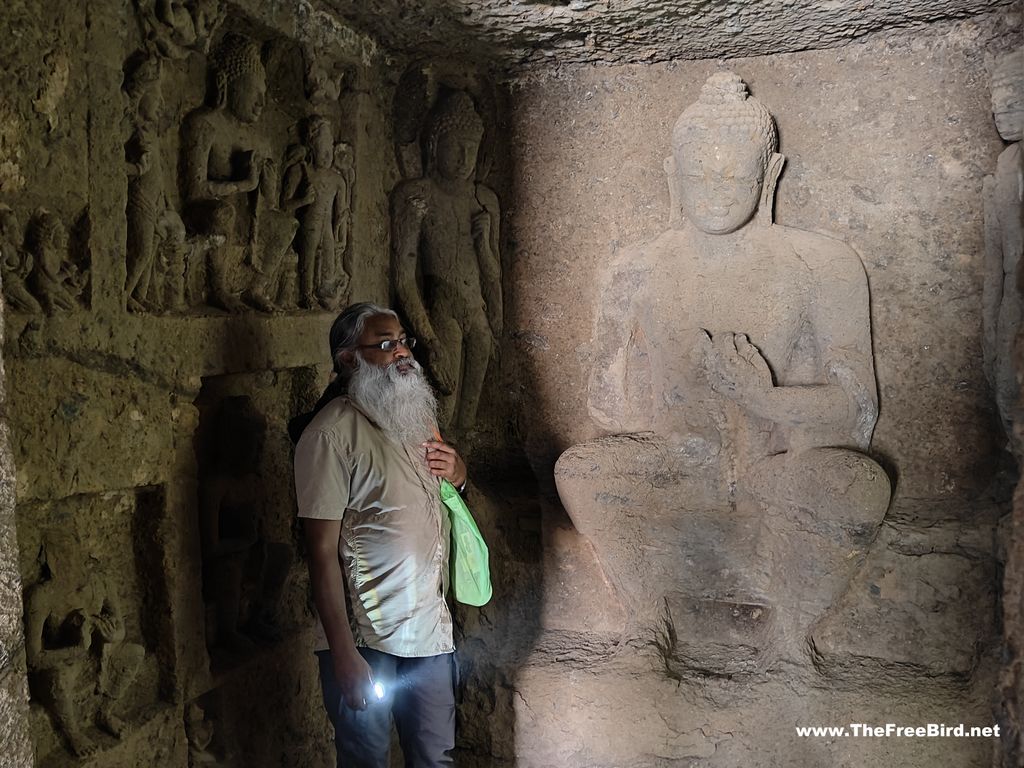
(75, 643)
(738, 353)
(54, 280)
(232, 184)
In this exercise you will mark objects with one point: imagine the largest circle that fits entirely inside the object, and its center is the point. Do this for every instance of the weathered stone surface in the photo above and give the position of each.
(578, 720)
(1011, 678)
(538, 34)
(577, 595)
(1004, 209)
(14, 711)
(1004, 239)
(910, 614)
(115, 431)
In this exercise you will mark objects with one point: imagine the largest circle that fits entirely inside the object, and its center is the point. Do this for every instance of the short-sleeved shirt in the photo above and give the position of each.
(394, 537)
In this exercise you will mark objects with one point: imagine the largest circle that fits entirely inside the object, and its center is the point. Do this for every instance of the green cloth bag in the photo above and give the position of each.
(468, 560)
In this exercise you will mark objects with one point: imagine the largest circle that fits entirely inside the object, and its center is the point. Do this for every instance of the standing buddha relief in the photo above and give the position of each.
(742, 348)
(445, 260)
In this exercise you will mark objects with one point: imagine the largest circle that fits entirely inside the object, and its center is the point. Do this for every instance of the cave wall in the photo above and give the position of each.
(111, 407)
(128, 399)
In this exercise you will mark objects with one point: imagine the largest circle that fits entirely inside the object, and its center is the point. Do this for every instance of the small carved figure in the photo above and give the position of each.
(175, 27)
(17, 264)
(745, 347)
(1004, 239)
(54, 280)
(146, 195)
(232, 183)
(319, 191)
(324, 83)
(230, 514)
(445, 261)
(75, 630)
(199, 731)
(174, 251)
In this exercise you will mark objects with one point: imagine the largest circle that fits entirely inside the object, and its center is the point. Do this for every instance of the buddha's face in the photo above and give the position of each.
(456, 154)
(247, 94)
(720, 182)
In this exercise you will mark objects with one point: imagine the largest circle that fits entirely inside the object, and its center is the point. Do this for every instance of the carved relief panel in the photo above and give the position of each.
(90, 609)
(445, 253)
(242, 203)
(45, 269)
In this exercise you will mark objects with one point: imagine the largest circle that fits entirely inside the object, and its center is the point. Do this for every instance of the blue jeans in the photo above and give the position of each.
(418, 693)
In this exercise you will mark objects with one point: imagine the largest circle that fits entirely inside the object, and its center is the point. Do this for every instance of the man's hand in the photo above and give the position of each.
(354, 677)
(444, 462)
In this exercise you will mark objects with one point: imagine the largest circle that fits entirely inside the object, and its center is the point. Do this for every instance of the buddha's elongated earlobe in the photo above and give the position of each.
(766, 208)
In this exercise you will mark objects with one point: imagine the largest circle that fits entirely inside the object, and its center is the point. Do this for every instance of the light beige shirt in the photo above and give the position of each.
(394, 535)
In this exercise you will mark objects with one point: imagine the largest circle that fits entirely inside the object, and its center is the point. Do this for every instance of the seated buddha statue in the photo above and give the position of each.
(733, 371)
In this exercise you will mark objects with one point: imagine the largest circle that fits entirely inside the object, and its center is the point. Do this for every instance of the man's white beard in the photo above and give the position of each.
(402, 405)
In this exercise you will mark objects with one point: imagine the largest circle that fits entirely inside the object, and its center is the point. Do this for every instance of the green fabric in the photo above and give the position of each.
(470, 574)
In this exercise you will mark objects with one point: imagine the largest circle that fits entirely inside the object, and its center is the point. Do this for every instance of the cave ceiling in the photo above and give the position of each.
(525, 34)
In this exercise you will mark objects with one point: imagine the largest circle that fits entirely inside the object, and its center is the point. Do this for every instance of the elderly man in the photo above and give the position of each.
(367, 469)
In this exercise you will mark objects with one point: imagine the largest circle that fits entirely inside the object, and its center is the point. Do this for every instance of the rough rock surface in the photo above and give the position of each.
(537, 34)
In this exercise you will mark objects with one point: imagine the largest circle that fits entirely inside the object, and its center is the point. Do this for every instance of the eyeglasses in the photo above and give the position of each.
(390, 345)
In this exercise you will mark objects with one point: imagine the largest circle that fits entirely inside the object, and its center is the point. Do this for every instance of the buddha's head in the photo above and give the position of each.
(453, 134)
(240, 78)
(723, 147)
